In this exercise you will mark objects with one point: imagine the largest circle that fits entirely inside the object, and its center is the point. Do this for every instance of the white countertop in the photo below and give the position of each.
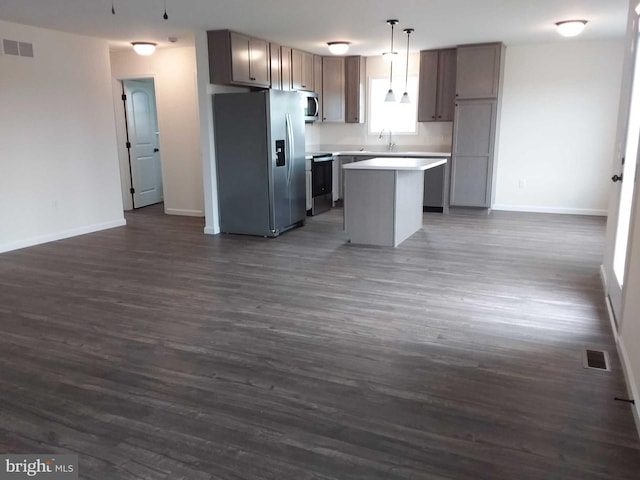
(396, 163)
(368, 153)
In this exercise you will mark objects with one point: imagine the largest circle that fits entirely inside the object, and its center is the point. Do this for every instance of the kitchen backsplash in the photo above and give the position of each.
(434, 136)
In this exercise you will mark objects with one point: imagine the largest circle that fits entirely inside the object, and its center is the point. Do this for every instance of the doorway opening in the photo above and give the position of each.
(142, 142)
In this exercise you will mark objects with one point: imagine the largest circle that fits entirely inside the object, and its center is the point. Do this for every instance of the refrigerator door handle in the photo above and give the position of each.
(315, 99)
(290, 146)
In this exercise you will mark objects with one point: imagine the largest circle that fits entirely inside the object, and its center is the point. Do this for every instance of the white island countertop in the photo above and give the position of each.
(396, 163)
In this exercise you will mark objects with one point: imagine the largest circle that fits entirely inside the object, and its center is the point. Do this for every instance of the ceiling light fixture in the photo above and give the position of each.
(165, 16)
(571, 28)
(390, 97)
(405, 95)
(144, 48)
(338, 48)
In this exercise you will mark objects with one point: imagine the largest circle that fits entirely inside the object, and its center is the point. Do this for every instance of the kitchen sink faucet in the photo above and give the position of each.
(391, 144)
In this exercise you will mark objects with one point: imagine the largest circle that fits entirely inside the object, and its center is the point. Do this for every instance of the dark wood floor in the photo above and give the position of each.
(156, 352)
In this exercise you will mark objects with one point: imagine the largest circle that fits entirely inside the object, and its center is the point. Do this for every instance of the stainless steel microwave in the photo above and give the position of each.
(312, 107)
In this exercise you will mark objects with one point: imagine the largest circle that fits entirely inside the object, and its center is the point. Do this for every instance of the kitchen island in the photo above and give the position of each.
(383, 199)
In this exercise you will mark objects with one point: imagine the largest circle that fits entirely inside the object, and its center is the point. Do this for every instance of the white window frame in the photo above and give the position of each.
(398, 88)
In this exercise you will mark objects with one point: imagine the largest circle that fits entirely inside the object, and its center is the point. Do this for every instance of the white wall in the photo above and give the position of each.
(174, 74)
(558, 126)
(434, 136)
(58, 160)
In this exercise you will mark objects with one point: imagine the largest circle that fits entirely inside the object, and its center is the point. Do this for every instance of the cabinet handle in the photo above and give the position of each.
(433, 116)
(439, 116)
(252, 78)
(304, 86)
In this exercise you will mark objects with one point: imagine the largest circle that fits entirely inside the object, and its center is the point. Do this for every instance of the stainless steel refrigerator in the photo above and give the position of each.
(260, 164)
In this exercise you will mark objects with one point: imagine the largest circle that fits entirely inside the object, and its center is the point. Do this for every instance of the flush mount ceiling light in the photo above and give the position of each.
(338, 48)
(390, 97)
(571, 28)
(144, 48)
(405, 95)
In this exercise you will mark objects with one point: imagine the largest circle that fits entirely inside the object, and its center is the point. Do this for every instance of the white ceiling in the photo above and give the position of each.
(309, 24)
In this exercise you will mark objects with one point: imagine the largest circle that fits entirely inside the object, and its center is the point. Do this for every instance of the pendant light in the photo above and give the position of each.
(405, 95)
(390, 97)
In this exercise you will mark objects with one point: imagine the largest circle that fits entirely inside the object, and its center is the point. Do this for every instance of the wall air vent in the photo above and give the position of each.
(21, 49)
(10, 47)
(596, 359)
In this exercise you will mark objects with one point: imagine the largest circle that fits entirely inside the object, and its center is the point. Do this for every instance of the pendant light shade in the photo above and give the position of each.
(390, 95)
(144, 48)
(405, 95)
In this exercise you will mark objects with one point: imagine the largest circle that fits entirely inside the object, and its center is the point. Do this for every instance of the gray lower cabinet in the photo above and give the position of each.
(472, 156)
(434, 181)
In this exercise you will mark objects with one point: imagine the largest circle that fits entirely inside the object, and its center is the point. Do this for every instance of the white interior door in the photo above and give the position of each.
(624, 180)
(144, 154)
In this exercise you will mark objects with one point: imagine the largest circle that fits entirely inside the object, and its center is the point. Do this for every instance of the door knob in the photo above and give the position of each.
(616, 178)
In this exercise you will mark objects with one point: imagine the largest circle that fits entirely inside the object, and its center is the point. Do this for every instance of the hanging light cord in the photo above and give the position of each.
(165, 16)
(113, 8)
(406, 72)
(391, 57)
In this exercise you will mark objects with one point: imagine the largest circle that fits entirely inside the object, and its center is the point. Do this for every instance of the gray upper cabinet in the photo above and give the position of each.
(317, 82)
(237, 59)
(478, 70)
(276, 66)
(333, 100)
(285, 58)
(301, 70)
(437, 87)
(354, 89)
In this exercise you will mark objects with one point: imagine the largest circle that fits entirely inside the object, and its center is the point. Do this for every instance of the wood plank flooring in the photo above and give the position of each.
(156, 352)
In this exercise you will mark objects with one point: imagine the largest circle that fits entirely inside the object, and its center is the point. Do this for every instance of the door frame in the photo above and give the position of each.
(121, 134)
(613, 295)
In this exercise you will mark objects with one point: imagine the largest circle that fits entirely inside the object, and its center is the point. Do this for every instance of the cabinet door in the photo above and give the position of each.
(317, 82)
(285, 58)
(333, 89)
(343, 160)
(259, 62)
(240, 48)
(354, 89)
(446, 102)
(296, 69)
(276, 66)
(307, 72)
(428, 86)
(478, 71)
(472, 156)
(434, 187)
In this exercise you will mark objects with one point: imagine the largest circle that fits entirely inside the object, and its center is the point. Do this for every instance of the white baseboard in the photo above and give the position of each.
(631, 384)
(557, 210)
(211, 230)
(183, 212)
(604, 279)
(52, 237)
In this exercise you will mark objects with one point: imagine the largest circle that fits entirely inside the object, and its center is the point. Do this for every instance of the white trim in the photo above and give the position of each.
(631, 384)
(211, 231)
(604, 279)
(184, 212)
(52, 237)
(558, 210)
